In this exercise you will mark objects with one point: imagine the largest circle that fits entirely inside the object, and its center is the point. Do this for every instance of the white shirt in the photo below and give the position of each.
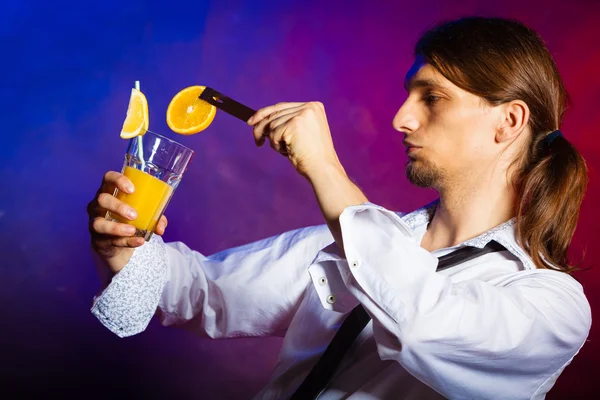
(491, 328)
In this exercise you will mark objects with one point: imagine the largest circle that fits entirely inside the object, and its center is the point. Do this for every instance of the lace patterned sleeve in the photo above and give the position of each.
(129, 302)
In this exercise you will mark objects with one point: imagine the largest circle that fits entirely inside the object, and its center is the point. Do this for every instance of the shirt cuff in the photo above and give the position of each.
(330, 285)
(331, 276)
(129, 302)
(383, 269)
(384, 261)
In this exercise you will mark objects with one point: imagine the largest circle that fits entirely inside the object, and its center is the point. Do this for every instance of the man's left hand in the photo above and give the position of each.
(298, 131)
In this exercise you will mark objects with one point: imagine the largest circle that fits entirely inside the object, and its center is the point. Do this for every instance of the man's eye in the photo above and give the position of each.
(430, 99)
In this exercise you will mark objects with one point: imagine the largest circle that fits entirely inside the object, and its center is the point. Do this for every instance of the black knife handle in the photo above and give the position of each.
(227, 104)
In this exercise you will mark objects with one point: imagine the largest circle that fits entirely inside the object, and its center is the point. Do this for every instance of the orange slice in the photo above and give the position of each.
(187, 114)
(137, 119)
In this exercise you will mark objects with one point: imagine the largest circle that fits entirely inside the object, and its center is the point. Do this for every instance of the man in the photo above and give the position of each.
(481, 120)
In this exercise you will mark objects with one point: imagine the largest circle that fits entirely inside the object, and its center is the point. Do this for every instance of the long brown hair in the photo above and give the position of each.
(500, 61)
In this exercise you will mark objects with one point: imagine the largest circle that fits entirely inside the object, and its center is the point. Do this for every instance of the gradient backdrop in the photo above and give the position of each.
(67, 71)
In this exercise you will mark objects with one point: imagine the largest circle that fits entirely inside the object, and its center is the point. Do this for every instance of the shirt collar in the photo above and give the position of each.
(505, 233)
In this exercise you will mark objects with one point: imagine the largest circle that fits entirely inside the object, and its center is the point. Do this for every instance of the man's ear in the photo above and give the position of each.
(514, 120)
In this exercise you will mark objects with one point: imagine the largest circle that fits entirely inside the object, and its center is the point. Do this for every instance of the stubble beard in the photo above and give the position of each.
(422, 173)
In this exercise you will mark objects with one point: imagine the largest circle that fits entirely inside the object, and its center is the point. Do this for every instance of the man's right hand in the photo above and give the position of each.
(113, 241)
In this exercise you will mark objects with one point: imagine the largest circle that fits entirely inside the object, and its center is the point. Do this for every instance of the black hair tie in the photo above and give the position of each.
(547, 142)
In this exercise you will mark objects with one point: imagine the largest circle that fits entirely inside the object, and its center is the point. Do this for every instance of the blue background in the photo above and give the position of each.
(67, 71)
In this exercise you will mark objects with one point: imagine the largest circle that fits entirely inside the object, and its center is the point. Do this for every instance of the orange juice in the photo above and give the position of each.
(149, 199)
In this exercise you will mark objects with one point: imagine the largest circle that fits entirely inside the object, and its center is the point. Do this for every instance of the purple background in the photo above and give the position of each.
(67, 71)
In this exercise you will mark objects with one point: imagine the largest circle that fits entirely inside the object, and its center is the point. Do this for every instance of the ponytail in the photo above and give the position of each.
(550, 188)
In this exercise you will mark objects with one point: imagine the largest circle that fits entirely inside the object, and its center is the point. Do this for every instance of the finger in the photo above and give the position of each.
(265, 112)
(162, 225)
(109, 244)
(93, 210)
(268, 125)
(116, 206)
(279, 140)
(113, 179)
(102, 226)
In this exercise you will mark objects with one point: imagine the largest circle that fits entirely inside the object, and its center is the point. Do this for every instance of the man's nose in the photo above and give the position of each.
(405, 120)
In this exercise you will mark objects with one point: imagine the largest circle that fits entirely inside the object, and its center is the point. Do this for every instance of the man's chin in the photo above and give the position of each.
(421, 175)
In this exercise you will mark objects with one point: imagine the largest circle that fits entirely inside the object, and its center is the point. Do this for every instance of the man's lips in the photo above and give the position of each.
(410, 148)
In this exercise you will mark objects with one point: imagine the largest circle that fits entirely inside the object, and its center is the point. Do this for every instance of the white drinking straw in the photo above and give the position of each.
(139, 138)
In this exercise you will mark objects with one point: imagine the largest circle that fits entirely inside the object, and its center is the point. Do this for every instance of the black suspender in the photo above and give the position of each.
(358, 318)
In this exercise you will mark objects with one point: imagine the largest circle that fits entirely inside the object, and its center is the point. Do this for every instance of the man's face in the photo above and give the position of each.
(449, 133)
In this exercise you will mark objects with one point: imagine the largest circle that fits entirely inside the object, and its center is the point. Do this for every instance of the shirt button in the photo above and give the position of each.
(331, 299)
(354, 264)
(322, 281)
